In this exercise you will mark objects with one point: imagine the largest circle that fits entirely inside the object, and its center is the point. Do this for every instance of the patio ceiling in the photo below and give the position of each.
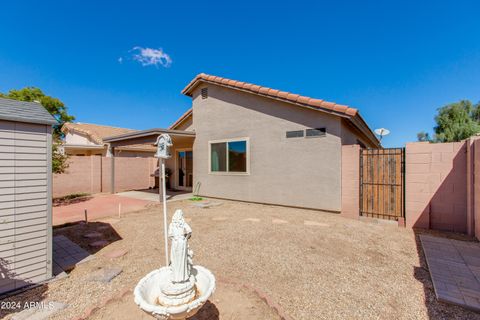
(179, 137)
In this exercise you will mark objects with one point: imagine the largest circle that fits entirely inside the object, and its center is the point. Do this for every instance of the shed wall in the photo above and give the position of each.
(25, 205)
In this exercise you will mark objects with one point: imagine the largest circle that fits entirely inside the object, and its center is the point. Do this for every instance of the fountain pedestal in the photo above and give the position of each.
(179, 290)
(175, 294)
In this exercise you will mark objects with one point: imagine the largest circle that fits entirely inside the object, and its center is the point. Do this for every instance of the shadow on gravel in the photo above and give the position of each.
(91, 236)
(17, 300)
(208, 312)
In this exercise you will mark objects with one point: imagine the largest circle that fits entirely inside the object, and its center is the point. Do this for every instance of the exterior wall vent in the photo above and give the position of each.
(317, 132)
(295, 134)
(204, 93)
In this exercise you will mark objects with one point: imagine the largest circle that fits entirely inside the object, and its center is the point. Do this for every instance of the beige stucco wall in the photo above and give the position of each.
(186, 125)
(351, 136)
(304, 172)
(78, 139)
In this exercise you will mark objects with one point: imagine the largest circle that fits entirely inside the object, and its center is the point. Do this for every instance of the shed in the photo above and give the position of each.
(25, 194)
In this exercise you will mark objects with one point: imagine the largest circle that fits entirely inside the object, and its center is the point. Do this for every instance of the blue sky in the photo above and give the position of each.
(396, 61)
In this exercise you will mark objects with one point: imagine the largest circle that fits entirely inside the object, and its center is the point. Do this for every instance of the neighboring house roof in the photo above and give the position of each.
(182, 118)
(347, 112)
(22, 111)
(97, 133)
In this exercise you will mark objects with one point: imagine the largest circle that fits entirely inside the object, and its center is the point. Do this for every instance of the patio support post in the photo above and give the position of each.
(112, 171)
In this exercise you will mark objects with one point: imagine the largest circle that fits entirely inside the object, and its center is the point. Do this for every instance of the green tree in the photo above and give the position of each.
(57, 109)
(455, 122)
(423, 136)
(53, 105)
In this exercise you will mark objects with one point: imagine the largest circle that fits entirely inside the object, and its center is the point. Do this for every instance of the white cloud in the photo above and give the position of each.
(151, 57)
(120, 60)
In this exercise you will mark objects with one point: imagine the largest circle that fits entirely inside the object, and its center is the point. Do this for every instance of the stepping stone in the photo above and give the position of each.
(105, 274)
(116, 254)
(99, 244)
(279, 221)
(92, 235)
(315, 223)
(219, 218)
(40, 312)
(252, 219)
(205, 205)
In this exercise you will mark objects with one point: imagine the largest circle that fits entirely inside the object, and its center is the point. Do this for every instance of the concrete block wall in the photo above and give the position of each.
(92, 174)
(350, 181)
(436, 186)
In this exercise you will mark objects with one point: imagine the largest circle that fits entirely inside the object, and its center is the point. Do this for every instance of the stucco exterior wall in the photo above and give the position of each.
(304, 172)
(186, 125)
(351, 136)
(78, 139)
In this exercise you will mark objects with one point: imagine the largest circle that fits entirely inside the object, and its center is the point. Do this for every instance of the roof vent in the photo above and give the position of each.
(204, 93)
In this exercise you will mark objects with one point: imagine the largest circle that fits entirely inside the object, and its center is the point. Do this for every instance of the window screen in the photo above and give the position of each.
(318, 132)
(295, 134)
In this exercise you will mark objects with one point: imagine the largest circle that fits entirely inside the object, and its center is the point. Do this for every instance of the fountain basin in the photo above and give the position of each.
(149, 288)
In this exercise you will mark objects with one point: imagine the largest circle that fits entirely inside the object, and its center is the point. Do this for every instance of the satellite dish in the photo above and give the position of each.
(382, 132)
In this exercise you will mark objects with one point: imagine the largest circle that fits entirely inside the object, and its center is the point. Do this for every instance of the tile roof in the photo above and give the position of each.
(181, 119)
(351, 114)
(31, 112)
(271, 93)
(98, 132)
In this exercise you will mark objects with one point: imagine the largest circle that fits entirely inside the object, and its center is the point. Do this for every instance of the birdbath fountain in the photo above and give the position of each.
(179, 289)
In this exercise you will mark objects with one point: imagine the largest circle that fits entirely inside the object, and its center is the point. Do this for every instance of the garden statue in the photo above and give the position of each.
(164, 142)
(179, 232)
(179, 290)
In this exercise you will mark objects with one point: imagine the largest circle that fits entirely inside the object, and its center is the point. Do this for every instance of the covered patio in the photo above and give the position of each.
(179, 167)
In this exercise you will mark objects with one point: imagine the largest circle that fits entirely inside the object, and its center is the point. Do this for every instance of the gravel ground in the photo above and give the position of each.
(314, 265)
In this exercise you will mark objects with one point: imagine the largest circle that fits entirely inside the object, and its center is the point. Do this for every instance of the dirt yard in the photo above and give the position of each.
(313, 265)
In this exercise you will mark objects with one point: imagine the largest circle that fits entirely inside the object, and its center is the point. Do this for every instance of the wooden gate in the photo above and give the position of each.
(382, 190)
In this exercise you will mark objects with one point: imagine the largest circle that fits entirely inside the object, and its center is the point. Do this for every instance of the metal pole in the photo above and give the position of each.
(164, 193)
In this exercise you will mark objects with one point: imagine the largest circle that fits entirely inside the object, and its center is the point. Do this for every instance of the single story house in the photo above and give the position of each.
(86, 139)
(246, 142)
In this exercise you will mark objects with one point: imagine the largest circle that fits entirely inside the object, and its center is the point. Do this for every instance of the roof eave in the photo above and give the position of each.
(148, 132)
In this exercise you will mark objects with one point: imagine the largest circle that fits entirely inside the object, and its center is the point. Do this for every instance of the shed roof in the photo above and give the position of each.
(22, 111)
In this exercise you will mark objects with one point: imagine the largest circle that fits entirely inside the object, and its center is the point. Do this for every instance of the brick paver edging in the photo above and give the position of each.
(261, 294)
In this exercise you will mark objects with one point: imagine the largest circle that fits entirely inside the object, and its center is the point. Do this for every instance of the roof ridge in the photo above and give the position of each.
(272, 93)
(101, 125)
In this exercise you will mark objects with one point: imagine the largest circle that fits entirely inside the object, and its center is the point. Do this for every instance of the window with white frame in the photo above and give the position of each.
(229, 156)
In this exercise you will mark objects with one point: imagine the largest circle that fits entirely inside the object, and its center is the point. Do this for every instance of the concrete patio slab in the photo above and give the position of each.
(66, 255)
(454, 269)
(102, 205)
(153, 196)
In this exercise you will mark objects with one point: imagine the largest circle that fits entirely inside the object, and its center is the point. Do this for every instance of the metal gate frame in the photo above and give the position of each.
(396, 184)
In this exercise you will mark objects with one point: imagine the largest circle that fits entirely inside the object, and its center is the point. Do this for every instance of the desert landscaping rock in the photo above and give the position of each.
(219, 218)
(105, 274)
(252, 220)
(279, 221)
(99, 244)
(315, 223)
(206, 205)
(326, 273)
(40, 312)
(116, 254)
